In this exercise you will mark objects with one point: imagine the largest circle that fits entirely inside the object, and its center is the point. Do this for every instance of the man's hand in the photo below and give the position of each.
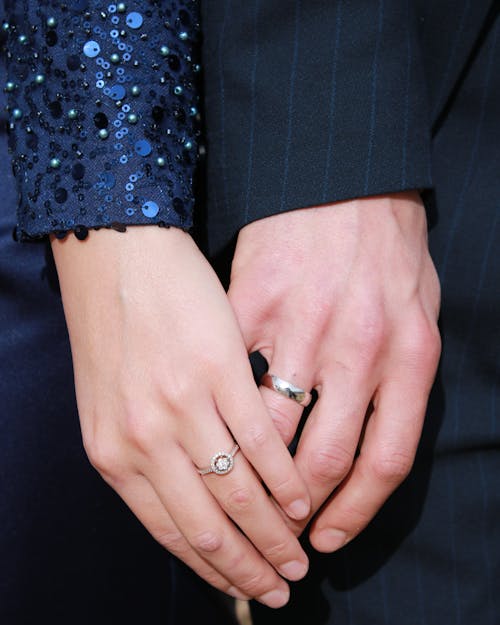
(344, 298)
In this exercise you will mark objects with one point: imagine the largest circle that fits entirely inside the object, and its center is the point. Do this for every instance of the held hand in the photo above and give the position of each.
(345, 299)
(163, 383)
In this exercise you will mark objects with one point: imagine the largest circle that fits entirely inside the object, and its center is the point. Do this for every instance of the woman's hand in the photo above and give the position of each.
(163, 382)
(344, 298)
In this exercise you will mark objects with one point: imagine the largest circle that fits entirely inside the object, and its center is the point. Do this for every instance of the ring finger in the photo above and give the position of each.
(208, 530)
(287, 370)
(244, 500)
(242, 496)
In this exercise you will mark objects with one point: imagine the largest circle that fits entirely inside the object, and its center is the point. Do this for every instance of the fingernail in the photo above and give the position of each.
(234, 592)
(293, 570)
(275, 598)
(330, 540)
(298, 509)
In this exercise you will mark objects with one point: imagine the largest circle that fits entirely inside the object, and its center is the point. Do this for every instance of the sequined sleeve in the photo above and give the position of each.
(102, 108)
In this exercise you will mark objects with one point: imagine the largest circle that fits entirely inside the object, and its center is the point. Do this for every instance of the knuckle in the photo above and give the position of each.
(103, 456)
(392, 468)
(173, 541)
(283, 485)
(238, 559)
(352, 517)
(369, 332)
(139, 430)
(330, 463)
(176, 391)
(432, 344)
(363, 342)
(252, 585)
(255, 438)
(422, 344)
(207, 541)
(240, 500)
(276, 552)
(211, 576)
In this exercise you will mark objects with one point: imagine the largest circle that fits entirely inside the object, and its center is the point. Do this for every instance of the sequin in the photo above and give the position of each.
(100, 98)
(108, 180)
(143, 147)
(116, 92)
(91, 49)
(134, 20)
(150, 209)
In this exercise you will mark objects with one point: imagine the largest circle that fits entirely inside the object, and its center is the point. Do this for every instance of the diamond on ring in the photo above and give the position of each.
(221, 463)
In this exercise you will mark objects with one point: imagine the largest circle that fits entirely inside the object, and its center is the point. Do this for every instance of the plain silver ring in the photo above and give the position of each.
(287, 389)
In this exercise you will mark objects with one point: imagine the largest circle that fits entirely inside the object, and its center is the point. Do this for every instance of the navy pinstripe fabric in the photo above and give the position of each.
(454, 48)
(253, 108)
(373, 96)
(311, 90)
(409, 56)
(291, 89)
(280, 65)
(331, 111)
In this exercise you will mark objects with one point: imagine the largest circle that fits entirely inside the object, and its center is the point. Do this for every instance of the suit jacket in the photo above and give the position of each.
(313, 101)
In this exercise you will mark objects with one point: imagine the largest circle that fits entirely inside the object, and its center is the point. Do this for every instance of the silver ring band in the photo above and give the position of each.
(286, 389)
(221, 463)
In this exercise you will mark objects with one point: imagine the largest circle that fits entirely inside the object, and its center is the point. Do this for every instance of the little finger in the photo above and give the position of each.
(142, 500)
(386, 456)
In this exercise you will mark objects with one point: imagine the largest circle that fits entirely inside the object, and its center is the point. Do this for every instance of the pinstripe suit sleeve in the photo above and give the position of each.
(310, 102)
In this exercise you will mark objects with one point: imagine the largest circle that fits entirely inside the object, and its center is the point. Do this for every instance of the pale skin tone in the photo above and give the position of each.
(163, 381)
(343, 298)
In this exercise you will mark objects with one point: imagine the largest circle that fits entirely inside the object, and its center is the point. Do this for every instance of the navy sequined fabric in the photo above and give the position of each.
(102, 107)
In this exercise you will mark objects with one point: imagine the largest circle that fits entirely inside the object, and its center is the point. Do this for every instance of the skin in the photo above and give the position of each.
(344, 298)
(163, 381)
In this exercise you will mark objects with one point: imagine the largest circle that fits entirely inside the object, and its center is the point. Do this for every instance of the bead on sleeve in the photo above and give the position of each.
(103, 118)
